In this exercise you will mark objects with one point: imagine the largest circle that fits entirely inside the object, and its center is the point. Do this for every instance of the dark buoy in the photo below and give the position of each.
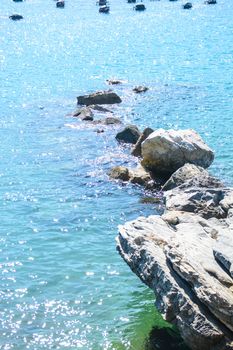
(187, 6)
(104, 9)
(140, 7)
(60, 3)
(211, 2)
(16, 17)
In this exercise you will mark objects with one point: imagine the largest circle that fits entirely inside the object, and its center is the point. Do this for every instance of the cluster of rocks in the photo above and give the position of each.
(186, 255)
(95, 103)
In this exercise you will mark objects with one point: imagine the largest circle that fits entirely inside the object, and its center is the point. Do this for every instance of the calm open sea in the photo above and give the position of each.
(62, 283)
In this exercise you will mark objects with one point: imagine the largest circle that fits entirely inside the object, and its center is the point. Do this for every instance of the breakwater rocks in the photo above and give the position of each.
(186, 255)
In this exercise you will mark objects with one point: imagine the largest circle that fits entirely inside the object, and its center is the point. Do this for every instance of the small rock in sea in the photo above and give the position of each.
(139, 89)
(100, 109)
(114, 81)
(131, 1)
(99, 97)
(18, 0)
(84, 113)
(112, 121)
(100, 131)
(119, 173)
(15, 17)
(137, 151)
(130, 134)
(187, 6)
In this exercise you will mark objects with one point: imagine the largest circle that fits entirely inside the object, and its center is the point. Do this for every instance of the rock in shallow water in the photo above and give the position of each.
(165, 151)
(130, 134)
(99, 97)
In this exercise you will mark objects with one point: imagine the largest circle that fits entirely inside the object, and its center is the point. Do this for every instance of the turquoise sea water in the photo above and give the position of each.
(62, 283)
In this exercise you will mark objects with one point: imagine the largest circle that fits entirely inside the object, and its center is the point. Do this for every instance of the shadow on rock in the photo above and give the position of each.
(164, 339)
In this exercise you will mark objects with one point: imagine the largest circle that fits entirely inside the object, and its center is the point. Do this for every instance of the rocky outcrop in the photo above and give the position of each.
(186, 255)
(130, 134)
(175, 255)
(100, 97)
(180, 176)
(165, 151)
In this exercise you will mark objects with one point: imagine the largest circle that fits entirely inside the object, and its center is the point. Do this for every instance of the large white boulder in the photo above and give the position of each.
(165, 151)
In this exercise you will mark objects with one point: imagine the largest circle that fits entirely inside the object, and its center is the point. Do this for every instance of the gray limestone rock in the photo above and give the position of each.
(186, 172)
(165, 151)
(173, 255)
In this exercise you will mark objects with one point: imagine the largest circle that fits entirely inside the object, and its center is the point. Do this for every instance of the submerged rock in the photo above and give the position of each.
(165, 151)
(100, 97)
(84, 113)
(112, 121)
(174, 255)
(114, 81)
(130, 134)
(139, 89)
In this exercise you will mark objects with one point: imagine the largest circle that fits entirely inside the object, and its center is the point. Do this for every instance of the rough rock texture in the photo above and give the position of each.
(100, 97)
(137, 150)
(175, 255)
(165, 151)
(186, 172)
(207, 202)
(130, 134)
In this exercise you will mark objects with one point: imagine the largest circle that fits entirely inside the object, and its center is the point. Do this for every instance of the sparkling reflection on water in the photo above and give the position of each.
(63, 285)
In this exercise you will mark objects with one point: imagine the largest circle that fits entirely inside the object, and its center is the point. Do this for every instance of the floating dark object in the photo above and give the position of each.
(60, 3)
(131, 1)
(18, 0)
(104, 9)
(16, 17)
(187, 6)
(102, 2)
(140, 7)
(211, 2)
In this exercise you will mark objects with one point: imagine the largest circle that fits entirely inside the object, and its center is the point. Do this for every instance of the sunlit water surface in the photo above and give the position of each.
(63, 285)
